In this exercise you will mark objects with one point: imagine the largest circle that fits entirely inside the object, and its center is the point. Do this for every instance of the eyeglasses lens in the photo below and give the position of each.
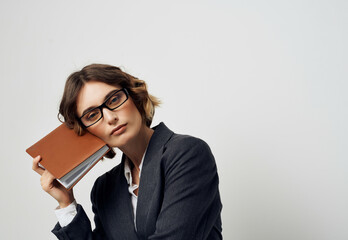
(111, 103)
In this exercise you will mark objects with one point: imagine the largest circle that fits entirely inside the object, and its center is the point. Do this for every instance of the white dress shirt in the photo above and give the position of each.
(67, 214)
(132, 187)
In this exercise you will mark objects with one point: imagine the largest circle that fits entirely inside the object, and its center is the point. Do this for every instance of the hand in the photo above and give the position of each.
(50, 185)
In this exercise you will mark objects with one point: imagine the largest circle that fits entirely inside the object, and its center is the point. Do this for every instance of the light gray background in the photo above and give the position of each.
(263, 82)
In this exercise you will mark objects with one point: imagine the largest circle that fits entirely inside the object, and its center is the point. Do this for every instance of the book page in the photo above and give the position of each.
(70, 178)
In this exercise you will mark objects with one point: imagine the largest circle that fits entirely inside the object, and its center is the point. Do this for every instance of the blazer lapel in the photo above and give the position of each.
(120, 208)
(147, 183)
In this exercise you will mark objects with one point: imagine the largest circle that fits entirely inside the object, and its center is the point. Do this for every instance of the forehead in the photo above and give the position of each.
(92, 94)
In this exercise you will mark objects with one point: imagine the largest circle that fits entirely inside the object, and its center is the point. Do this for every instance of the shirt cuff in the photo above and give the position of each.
(67, 214)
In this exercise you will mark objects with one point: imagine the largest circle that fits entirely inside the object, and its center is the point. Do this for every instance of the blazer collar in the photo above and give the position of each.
(159, 138)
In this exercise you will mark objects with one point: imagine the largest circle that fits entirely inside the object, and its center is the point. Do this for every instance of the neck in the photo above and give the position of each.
(135, 149)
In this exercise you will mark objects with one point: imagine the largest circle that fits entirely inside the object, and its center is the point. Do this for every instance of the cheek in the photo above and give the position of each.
(98, 131)
(131, 113)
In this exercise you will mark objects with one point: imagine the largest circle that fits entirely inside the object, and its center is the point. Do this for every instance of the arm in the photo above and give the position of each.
(191, 204)
(80, 227)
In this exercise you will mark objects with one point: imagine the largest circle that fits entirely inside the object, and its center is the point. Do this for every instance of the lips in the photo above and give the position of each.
(118, 130)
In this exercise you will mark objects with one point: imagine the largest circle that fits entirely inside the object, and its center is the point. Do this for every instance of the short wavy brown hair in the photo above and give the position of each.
(110, 75)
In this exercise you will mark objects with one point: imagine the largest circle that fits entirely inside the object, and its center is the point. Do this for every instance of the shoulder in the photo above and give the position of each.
(187, 159)
(186, 142)
(180, 143)
(105, 182)
(110, 175)
(185, 150)
(173, 145)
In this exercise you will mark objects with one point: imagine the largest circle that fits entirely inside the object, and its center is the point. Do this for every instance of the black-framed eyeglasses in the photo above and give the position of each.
(117, 98)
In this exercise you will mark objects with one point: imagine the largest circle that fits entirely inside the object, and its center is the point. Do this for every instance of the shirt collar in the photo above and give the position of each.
(128, 171)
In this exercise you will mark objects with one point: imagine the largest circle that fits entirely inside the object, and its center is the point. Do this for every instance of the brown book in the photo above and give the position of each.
(68, 156)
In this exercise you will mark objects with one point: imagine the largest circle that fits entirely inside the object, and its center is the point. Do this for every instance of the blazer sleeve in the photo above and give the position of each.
(80, 227)
(191, 205)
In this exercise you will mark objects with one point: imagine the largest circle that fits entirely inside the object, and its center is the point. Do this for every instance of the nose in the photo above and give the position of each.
(110, 116)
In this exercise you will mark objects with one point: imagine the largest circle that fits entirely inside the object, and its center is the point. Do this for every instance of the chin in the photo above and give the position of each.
(119, 141)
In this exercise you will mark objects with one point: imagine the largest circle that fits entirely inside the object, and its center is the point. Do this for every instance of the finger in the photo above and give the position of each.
(36, 166)
(47, 180)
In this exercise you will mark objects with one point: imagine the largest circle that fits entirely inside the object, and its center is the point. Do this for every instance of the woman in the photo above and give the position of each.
(166, 186)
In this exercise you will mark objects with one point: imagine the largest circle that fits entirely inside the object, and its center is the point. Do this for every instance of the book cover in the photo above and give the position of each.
(68, 156)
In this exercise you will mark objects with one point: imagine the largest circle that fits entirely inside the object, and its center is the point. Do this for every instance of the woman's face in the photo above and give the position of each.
(117, 127)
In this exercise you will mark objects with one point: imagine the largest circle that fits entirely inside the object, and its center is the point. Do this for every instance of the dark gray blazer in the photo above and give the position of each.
(178, 196)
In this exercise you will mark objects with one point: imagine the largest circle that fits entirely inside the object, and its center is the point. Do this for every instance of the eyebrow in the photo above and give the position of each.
(105, 98)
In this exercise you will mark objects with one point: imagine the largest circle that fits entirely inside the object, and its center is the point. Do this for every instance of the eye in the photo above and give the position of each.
(93, 115)
(115, 100)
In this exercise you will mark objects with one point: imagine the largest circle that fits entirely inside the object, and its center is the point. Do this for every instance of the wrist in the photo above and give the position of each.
(66, 203)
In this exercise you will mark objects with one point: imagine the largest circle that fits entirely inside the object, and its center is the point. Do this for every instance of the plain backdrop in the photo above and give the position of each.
(264, 83)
